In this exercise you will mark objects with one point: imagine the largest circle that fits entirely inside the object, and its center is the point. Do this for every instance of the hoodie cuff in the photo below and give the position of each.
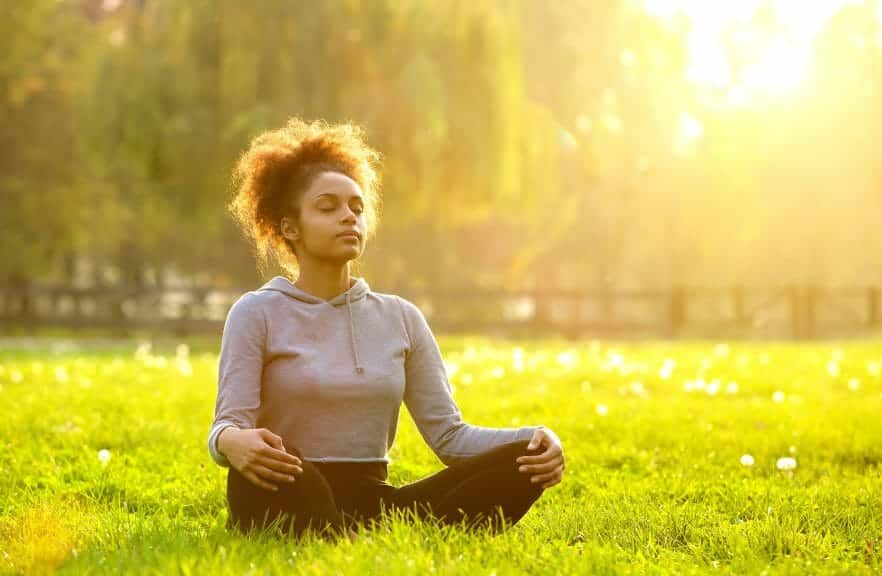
(216, 455)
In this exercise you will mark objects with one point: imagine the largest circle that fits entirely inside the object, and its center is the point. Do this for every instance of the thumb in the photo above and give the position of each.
(535, 440)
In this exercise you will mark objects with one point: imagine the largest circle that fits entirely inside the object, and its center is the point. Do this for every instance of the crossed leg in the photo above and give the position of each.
(487, 491)
(307, 504)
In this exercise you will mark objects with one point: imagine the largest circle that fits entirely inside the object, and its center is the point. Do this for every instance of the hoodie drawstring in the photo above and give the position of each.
(358, 367)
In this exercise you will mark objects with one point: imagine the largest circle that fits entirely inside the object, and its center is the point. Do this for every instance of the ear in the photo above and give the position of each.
(289, 230)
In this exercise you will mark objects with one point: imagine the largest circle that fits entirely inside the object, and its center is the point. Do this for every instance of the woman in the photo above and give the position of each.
(312, 373)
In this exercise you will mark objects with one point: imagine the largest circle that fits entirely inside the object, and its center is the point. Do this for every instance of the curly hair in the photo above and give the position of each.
(279, 165)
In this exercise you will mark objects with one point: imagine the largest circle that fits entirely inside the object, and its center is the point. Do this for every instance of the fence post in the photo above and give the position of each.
(541, 312)
(803, 304)
(677, 310)
(740, 319)
(811, 296)
(796, 317)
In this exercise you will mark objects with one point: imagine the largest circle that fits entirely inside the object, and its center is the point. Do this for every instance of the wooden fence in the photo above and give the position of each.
(791, 312)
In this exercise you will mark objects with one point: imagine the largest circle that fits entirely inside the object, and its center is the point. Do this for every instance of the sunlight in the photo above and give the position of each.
(879, 18)
(708, 62)
(782, 68)
(691, 130)
(750, 48)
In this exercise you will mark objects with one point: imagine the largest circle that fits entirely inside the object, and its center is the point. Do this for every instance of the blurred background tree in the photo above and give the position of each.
(614, 143)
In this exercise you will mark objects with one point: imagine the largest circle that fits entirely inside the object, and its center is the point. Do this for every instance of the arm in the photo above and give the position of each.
(239, 371)
(428, 397)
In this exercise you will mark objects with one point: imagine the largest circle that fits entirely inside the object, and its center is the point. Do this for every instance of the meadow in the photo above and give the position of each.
(682, 457)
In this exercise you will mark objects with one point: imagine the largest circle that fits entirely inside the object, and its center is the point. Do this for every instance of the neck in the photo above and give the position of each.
(326, 282)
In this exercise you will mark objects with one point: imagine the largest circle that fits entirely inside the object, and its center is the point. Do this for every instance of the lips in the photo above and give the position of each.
(348, 235)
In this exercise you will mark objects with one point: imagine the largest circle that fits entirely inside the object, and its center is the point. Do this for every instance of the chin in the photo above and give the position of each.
(344, 257)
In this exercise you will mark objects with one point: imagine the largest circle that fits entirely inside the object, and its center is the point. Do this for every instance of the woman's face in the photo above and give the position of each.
(331, 210)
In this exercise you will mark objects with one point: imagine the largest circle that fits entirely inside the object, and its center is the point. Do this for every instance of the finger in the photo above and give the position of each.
(550, 483)
(270, 452)
(280, 466)
(271, 438)
(547, 476)
(536, 439)
(538, 458)
(269, 474)
(254, 479)
(540, 468)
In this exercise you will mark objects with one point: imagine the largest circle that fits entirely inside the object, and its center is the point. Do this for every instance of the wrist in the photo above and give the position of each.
(223, 439)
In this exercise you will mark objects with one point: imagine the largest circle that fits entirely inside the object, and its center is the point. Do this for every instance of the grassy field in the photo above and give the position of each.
(104, 467)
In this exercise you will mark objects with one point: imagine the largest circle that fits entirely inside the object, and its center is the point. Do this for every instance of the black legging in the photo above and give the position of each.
(330, 497)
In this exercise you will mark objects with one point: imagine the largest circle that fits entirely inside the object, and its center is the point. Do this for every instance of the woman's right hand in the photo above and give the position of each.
(259, 456)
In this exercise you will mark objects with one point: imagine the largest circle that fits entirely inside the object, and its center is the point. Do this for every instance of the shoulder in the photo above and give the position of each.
(408, 309)
(387, 300)
(415, 323)
(409, 313)
(249, 306)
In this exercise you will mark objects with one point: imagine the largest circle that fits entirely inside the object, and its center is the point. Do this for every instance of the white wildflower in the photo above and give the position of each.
(184, 367)
(667, 369)
(61, 375)
(638, 389)
(721, 350)
(517, 359)
(142, 352)
(786, 463)
(616, 360)
(713, 387)
(567, 359)
(833, 368)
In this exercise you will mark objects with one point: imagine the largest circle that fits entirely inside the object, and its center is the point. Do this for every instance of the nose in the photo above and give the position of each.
(350, 215)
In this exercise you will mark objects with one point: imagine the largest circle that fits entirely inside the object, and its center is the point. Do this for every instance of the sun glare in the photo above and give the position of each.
(879, 18)
(749, 48)
(690, 131)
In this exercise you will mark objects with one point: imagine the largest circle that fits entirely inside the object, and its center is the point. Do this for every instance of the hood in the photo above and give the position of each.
(356, 292)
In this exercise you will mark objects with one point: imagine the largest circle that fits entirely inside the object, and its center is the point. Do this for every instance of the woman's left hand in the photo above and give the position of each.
(546, 467)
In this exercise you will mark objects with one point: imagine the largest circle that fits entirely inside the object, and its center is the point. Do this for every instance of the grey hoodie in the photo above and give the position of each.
(329, 376)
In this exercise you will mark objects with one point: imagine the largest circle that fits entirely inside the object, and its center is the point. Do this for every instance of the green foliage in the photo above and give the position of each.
(167, 94)
(547, 130)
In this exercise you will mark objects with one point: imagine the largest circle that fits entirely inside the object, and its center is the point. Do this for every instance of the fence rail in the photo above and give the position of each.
(790, 312)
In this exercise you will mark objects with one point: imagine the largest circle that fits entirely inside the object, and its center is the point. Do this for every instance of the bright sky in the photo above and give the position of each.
(730, 52)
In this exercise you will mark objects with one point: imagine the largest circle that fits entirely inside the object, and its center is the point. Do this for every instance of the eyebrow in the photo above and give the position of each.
(331, 194)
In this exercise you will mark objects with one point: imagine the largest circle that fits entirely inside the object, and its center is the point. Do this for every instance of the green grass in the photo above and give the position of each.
(654, 485)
